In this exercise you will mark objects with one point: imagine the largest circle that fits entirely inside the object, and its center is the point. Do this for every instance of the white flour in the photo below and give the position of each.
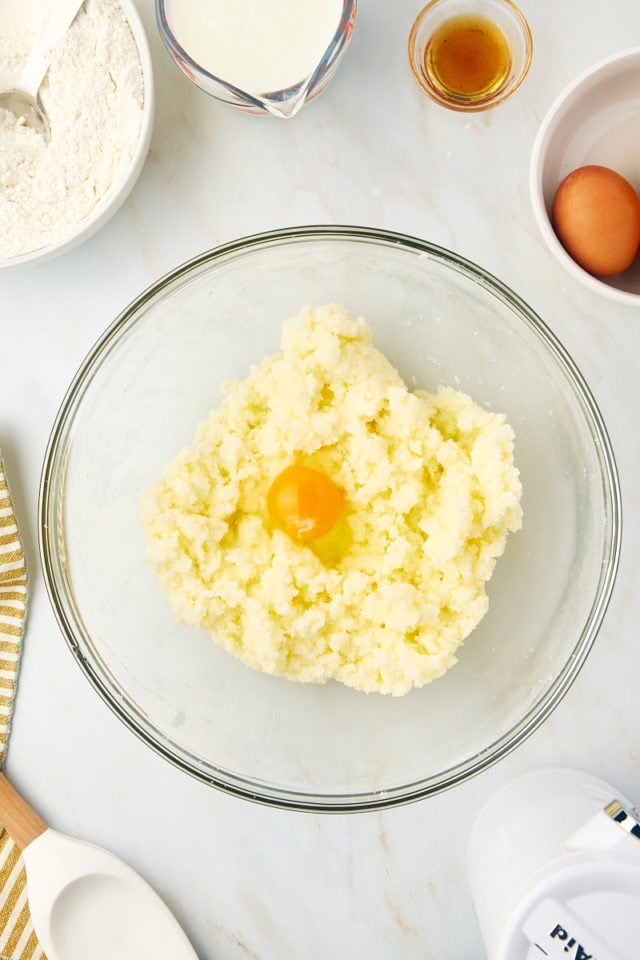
(93, 96)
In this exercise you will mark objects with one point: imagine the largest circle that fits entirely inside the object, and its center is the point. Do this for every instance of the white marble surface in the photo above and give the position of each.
(251, 883)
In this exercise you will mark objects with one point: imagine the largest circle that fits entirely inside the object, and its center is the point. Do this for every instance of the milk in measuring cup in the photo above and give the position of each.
(259, 46)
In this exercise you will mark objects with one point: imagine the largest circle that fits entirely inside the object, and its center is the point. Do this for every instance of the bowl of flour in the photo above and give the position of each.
(98, 96)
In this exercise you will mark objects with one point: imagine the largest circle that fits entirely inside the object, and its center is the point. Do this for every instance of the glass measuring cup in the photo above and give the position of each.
(280, 103)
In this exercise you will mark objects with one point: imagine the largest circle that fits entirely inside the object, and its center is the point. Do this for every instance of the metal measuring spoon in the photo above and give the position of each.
(23, 100)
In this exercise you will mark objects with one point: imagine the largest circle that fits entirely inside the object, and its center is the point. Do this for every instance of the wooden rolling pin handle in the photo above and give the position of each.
(19, 820)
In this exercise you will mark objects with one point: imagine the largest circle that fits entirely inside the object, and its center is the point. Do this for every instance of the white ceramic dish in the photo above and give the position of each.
(595, 120)
(122, 186)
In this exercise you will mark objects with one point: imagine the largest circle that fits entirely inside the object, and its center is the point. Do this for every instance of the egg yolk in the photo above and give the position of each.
(305, 503)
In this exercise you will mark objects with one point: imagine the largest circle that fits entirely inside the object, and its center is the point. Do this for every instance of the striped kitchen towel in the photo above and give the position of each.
(17, 939)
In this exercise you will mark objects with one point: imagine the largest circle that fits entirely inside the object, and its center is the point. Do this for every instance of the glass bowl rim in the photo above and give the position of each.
(50, 500)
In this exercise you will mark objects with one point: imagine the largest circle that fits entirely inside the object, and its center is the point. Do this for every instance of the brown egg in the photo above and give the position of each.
(596, 215)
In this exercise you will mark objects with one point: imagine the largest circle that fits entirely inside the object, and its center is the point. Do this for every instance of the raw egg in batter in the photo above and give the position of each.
(304, 502)
(410, 517)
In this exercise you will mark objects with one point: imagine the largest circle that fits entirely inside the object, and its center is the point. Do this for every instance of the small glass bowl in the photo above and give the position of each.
(505, 15)
(279, 103)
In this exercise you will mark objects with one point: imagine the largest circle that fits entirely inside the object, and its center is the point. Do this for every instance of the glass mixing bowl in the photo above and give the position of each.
(136, 401)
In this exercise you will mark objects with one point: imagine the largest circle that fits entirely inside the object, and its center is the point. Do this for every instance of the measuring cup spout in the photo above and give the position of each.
(285, 109)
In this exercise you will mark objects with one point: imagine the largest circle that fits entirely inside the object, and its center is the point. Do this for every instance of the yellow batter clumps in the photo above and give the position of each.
(383, 602)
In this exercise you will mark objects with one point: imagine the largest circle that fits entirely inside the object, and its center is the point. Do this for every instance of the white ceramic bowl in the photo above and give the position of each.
(595, 120)
(123, 184)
